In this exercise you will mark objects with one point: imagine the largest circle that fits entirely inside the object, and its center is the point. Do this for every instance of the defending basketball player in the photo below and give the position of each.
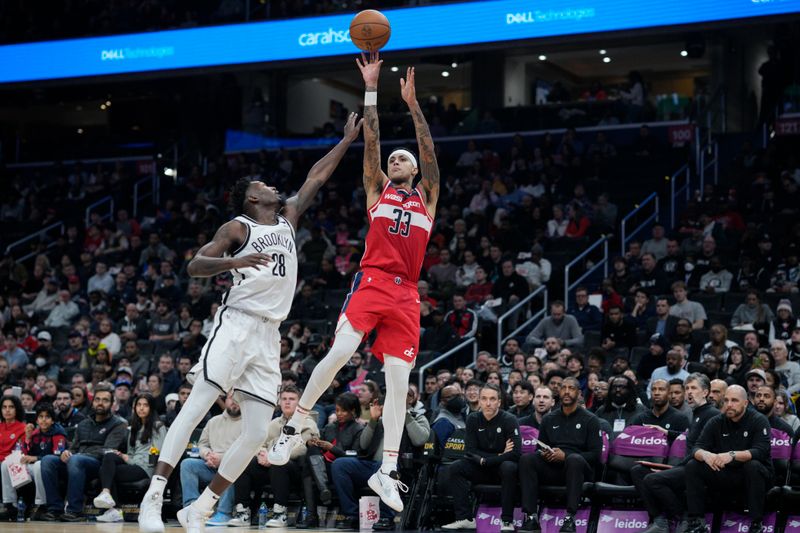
(384, 293)
(243, 353)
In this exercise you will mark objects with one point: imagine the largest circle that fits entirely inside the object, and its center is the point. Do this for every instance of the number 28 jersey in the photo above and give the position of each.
(400, 227)
(267, 292)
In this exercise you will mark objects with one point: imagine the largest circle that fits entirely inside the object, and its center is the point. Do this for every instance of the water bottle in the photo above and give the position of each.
(18, 447)
(60, 448)
(262, 516)
(20, 510)
(195, 450)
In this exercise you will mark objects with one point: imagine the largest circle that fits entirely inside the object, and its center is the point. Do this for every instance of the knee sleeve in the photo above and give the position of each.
(200, 401)
(394, 408)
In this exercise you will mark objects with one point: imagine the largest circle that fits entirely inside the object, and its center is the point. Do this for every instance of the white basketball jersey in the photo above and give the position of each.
(268, 291)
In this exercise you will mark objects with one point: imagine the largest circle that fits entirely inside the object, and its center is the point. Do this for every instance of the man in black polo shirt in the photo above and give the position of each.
(662, 415)
(492, 447)
(731, 456)
(569, 449)
(663, 491)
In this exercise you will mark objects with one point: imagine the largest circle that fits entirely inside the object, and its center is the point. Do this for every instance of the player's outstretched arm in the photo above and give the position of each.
(374, 177)
(209, 260)
(427, 155)
(322, 171)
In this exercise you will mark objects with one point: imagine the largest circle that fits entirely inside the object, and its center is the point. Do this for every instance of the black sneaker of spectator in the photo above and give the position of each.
(384, 524)
(569, 524)
(757, 527)
(348, 523)
(49, 516)
(530, 525)
(72, 517)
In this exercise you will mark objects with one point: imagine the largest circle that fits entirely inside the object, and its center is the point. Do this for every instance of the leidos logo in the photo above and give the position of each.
(780, 442)
(630, 523)
(742, 527)
(324, 37)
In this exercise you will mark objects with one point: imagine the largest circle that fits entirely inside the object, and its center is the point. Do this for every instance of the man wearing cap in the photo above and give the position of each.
(25, 340)
(63, 313)
(122, 398)
(45, 300)
(654, 358)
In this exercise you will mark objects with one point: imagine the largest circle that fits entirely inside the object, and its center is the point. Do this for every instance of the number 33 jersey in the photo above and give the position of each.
(400, 227)
(269, 290)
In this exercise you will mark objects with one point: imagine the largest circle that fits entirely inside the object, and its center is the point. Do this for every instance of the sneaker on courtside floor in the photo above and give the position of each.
(192, 519)
(150, 512)
(388, 487)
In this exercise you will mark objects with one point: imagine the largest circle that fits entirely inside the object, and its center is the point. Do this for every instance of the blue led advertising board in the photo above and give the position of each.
(412, 28)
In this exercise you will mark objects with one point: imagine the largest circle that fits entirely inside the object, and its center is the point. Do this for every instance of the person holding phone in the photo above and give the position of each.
(569, 447)
(45, 438)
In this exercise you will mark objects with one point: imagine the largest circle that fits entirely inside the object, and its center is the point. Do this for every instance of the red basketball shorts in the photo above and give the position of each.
(388, 305)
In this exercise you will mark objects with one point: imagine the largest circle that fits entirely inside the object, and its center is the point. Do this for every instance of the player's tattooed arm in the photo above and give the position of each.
(210, 261)
(322, 171)
(374, 177)
(427, 153)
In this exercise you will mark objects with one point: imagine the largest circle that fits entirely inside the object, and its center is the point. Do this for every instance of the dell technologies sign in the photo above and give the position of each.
(412, 29)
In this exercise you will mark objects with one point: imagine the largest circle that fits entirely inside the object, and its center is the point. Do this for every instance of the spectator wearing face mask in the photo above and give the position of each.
(451, 413)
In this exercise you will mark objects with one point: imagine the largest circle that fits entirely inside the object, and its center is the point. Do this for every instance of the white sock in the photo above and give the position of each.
(206, 501)
(298, 419)
(158, 484)
(389, 462)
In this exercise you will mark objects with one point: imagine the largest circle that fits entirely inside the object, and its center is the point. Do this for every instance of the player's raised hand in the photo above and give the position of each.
(407, 88)
(370, 68)
(353, 127)
(252, 261)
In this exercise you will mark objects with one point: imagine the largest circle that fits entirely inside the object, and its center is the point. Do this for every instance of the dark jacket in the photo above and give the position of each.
(487, 438)
(669, 330)
(672, 420)
(590, 317)
(578, 433)
(700, 416)
(626, 413)
(343, 438)
(751, 432)
(92, 438)
(42, 444)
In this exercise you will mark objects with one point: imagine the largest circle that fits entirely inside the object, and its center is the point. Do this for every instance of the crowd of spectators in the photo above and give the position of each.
(102, 328)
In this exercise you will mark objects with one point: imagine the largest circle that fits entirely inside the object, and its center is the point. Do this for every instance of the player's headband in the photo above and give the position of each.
(406, 153)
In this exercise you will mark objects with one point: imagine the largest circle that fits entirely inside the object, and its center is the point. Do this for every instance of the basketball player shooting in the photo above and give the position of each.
(243, 353)
(384, 293)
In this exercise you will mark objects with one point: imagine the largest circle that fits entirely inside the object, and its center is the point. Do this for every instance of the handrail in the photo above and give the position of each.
(624, 236)
(673, 193)
(707, 151)
(155, 184)
(514, 309)
(32, 236)
(569, 286)
(445, 355)
(107, 200)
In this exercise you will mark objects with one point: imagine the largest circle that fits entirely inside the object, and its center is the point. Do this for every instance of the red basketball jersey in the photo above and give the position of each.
(400, 227)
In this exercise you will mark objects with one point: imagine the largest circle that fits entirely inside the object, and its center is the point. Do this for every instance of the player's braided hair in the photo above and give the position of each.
(238, 195)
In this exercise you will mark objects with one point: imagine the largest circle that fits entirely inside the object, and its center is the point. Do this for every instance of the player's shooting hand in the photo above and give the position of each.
(370, 68)
(407, 88)
(353, 127)
(252, 261)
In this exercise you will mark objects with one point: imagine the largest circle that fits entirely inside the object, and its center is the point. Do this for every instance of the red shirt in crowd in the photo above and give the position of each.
(10, 433)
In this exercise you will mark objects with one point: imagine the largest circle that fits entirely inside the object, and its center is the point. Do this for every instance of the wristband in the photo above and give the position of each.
(370, 98)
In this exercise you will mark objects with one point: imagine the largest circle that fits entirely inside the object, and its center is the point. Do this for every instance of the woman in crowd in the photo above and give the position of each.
(155, 385)
(44, 439)
(751, 312)
(146, 436)
(12, 426)
(367, 393)
(79, 400)
(785, 409)
(737, 365)
(781, 328)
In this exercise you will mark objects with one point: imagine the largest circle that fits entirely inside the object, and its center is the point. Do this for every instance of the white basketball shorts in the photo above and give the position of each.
(242, 355)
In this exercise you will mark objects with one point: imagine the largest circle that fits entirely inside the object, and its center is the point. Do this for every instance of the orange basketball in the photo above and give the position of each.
(370, 30)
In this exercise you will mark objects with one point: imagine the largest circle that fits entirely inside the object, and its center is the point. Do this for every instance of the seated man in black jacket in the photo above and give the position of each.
(731, 456)
(492, 448)
(569, 449)
(663, 491)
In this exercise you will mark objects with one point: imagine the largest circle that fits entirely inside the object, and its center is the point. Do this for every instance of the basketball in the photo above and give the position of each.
(370, 30)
